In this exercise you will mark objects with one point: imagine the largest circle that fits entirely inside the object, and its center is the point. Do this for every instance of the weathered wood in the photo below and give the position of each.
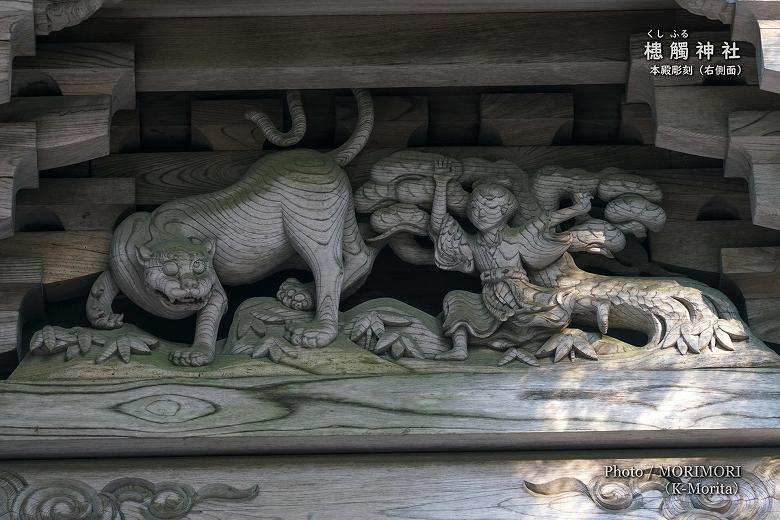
(18, 168)
(399, 121)
(80, 69)
(21, 298)
(454, 119)
(701, 194)
(17, 38)
(220, 125)
(753, 154)
(75, 204)
(721, 10)
(126, 131)
(466, 486)
(526, 119)
(492, 411)
(165, 120)
(71, 129)
(637, 123)
(755, 275)
(597, 113)
(70, 259)
(695, 119)
(756, 21)
(234, 8)
(163, 176)
(697, 245)
(427, 50)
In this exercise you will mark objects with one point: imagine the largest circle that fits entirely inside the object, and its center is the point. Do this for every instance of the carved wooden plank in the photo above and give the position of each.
(81, 69)
(17, 38)
(233, 8)
(697, 245)
(18, 168)
(163, 176)
(466, 486)
(399, 121)
(488, 411)
(21, 298)
(220, 124)
(526, 119)
(76, 204)
(694, 120)
(753, 154)
(755, 274)
(427, 50)
(454, 120)
(71, 129)
(70, 259)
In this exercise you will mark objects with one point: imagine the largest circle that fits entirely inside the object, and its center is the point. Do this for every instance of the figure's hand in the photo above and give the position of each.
(581, 201)
(443, 171)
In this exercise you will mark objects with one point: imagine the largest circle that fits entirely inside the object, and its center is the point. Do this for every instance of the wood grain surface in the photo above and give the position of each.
(542, 409)
(389, 51)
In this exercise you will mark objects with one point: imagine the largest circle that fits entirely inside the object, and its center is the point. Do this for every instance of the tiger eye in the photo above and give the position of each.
(170, 268)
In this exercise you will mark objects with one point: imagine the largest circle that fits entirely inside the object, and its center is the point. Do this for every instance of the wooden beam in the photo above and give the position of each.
(695, 119)
(754, 153)
(75, 204)
(696, 246)
(18, 169)
(163, 176)
(235, 8)
(55, 15)
(416, 412)
(220, 124)
(526, 119)
(21, 298)
(17, 38)
(317, 52)
(399, 121)
(81, 69)
(70, 259)
(752, 275)
(758, 21)
(466, 486)
(71, 129)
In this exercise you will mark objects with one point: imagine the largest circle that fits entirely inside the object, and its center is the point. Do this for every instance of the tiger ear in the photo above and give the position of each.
(143, 254)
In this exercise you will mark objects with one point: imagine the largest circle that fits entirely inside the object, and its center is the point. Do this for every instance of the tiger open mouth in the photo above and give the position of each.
(179, 301)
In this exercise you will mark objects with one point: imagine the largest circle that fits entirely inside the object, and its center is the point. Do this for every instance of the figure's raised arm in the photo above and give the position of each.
(443, 173)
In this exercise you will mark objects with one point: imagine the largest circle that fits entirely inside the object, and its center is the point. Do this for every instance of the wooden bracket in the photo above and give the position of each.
(18, 169)
(754, 154)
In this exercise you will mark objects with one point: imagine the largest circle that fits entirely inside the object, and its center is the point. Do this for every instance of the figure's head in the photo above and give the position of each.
(179, 271)
(491, 206)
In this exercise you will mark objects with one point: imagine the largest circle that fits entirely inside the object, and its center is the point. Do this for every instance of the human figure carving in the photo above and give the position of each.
(531, 288)
(292, 208)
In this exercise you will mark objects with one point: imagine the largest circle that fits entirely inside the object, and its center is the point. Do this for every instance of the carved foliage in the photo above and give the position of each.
(74, 499)
(722, 10)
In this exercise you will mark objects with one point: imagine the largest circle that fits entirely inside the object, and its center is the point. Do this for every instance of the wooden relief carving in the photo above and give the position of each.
(62, 498)
(515, 230)
(722, 10)
(532, 289)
